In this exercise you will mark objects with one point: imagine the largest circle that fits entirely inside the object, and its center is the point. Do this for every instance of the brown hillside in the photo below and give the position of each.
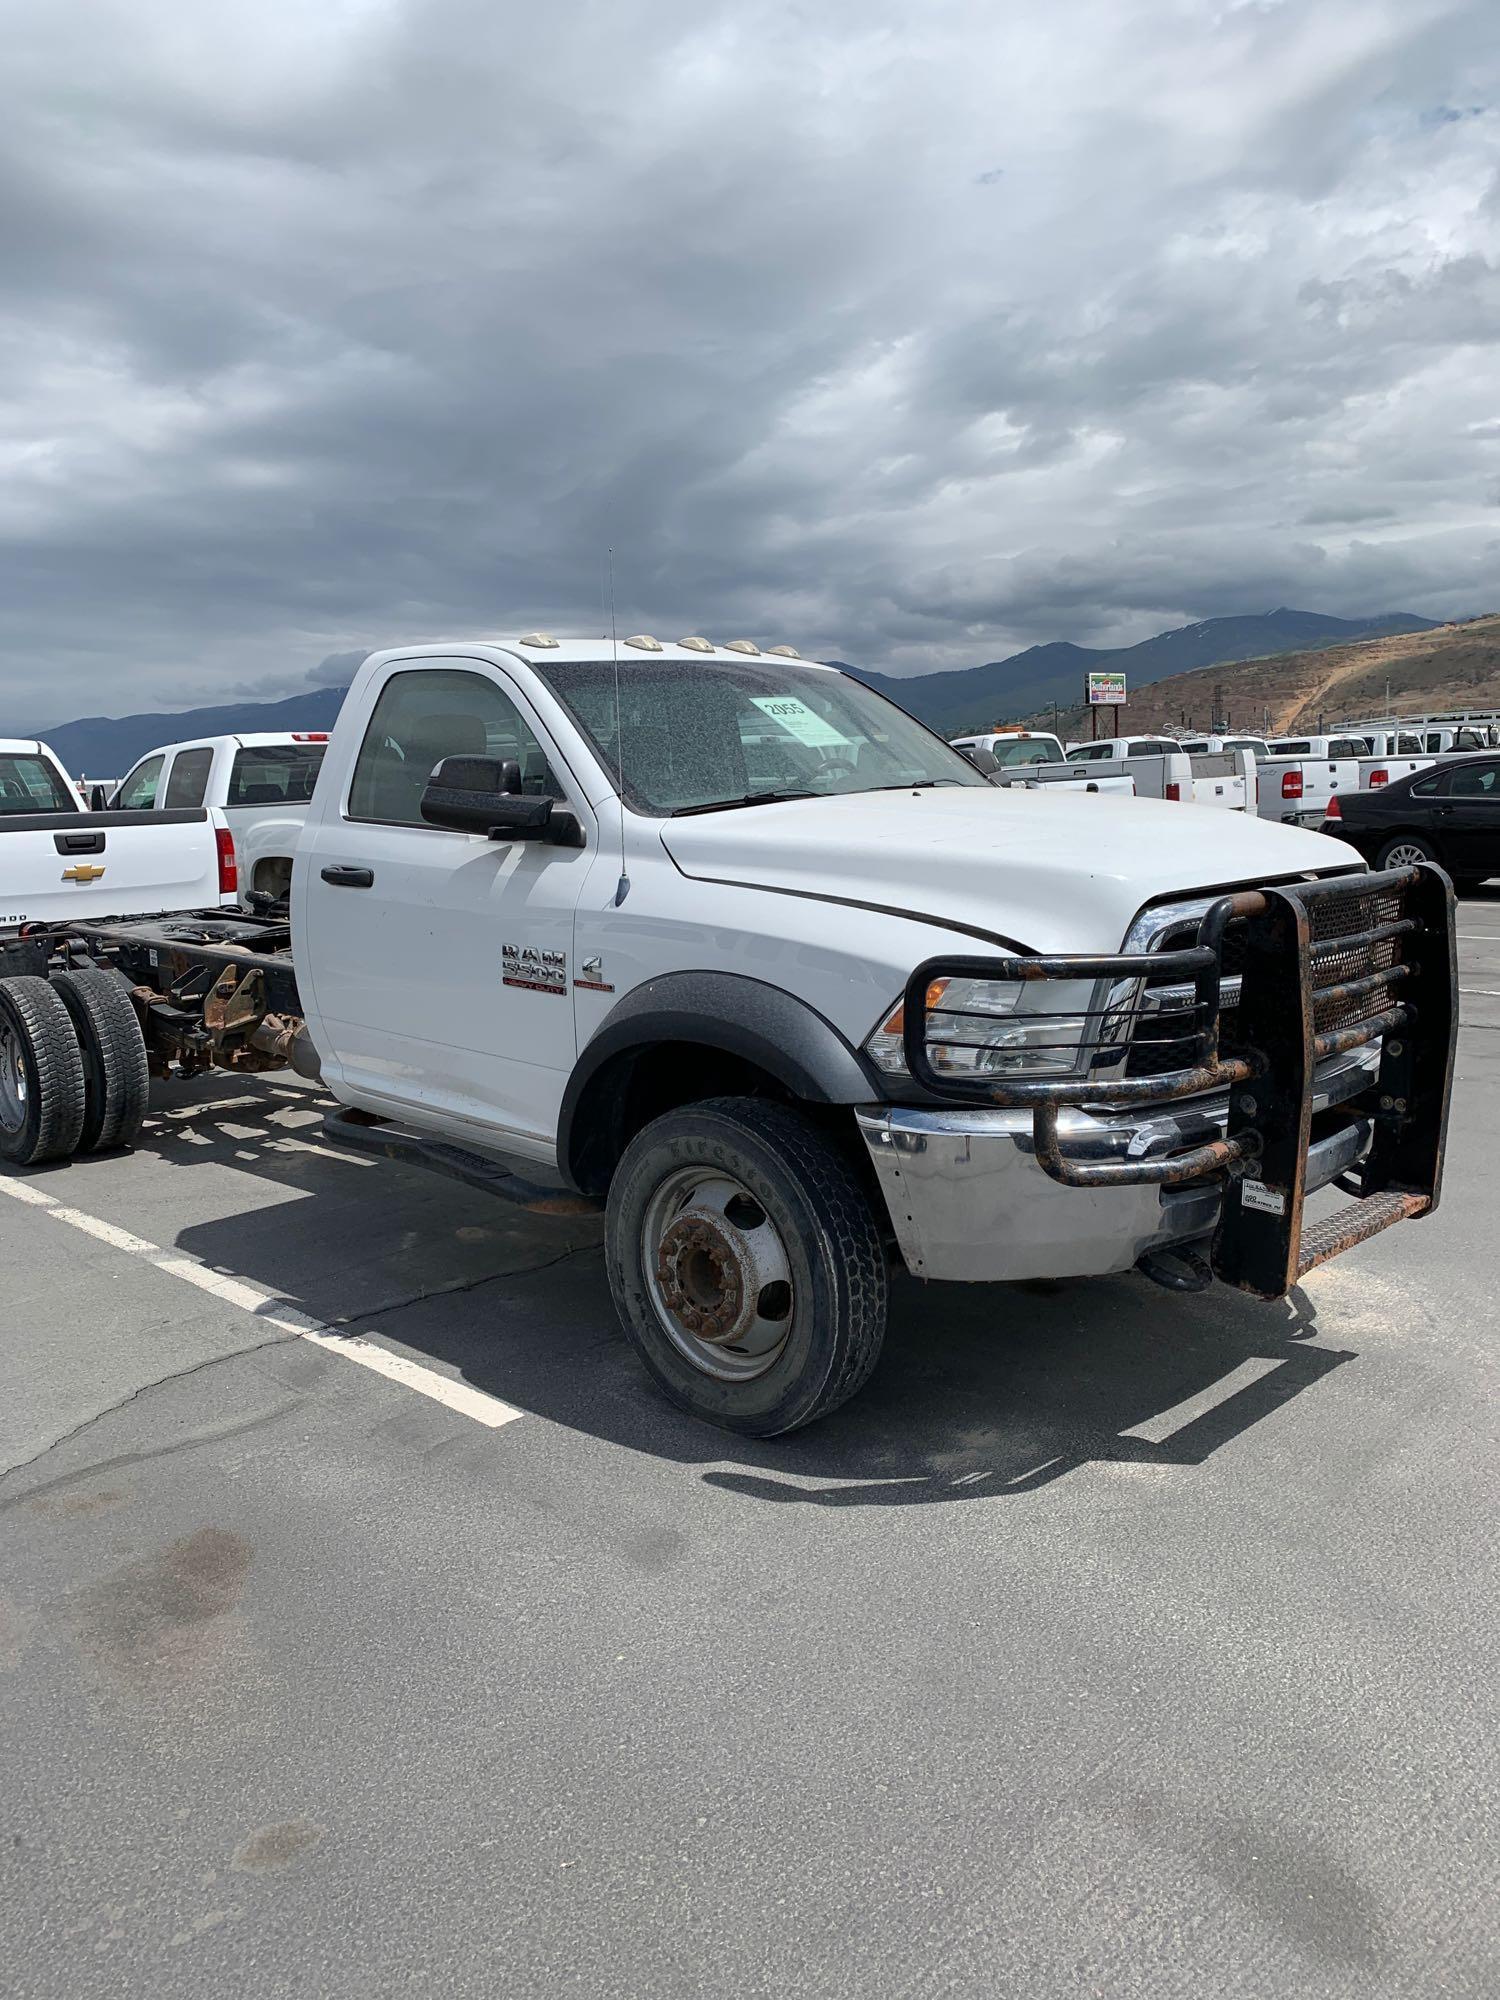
(1455, 666)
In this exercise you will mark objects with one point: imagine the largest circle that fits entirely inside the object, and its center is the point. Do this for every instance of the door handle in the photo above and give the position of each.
(1445, 812)
(350, 878)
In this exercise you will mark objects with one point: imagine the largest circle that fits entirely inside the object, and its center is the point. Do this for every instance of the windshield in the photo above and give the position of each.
(705, 733)
(30, 785)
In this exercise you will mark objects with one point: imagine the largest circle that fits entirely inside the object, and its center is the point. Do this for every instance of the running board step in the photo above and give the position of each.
(360, 1133)
(1355, 1223)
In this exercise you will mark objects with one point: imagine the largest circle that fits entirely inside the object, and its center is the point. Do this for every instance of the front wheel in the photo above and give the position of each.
(746, 1264)
(1405, 851)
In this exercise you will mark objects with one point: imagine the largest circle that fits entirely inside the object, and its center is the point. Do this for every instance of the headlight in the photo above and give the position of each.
(984, 1030)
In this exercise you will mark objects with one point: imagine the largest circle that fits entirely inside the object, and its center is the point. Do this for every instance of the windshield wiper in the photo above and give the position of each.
(750, 799)
(914, 785)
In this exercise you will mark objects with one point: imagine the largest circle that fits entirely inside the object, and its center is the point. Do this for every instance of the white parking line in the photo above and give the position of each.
(356, 1347)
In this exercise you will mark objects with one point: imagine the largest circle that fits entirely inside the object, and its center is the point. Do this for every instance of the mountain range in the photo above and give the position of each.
(963, 698)
(1028, 682)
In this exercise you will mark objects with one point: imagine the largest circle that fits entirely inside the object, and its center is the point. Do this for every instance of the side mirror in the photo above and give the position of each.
(982, 760)
(483, 795)
(96, 799)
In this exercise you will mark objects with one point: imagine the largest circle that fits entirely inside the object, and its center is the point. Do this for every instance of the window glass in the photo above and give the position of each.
(1408, 746)
(138, 793)
(1474, 781)
(704, 733)
(1025, 750)
(1293, 748)
(275, 774)
(429, 713)
(1424, 788)
(30, 785)
(1434, 741)
(187, 781)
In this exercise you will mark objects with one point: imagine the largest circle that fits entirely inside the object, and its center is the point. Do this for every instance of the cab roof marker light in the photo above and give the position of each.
(697, 645)
(784, 652)
(644, 643)
(537, 639)
(742, 646)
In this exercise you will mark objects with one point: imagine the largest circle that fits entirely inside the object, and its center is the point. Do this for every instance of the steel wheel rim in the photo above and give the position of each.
(717, 1273)
(14, 1095)
(1405, 856)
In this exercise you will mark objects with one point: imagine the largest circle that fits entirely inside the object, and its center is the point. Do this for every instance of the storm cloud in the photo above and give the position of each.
(909, 335)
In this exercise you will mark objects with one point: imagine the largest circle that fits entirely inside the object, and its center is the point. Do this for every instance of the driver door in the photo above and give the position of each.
(441, 961)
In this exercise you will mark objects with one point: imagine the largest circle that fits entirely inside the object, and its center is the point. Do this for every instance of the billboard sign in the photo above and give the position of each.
(1105, 689)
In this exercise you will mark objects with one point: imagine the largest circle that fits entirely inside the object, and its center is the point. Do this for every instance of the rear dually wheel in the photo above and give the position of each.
(41, 1074)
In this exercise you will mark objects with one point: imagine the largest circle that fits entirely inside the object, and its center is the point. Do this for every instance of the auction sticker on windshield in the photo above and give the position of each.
(801, 721)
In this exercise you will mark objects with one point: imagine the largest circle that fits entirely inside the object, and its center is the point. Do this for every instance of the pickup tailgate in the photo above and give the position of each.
(54, 866)
(1220, 779)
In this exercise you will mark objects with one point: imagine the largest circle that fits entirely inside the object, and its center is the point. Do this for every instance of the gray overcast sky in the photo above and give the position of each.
(909, 334)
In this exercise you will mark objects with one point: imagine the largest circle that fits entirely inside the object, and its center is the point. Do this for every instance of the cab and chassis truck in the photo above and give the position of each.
(721, 942)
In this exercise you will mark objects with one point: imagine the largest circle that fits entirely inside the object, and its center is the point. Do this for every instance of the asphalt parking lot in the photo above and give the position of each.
(368, 1625)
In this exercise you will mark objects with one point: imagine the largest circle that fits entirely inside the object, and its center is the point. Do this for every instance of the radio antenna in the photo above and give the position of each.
(622, 887)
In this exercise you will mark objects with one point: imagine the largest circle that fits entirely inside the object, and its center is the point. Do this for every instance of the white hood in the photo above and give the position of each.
(1048, 871)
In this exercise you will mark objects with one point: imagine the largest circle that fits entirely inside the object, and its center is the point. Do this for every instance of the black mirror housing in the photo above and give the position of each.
(483, 795)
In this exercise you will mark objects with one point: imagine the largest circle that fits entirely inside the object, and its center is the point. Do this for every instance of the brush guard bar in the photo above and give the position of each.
(1260, 1245)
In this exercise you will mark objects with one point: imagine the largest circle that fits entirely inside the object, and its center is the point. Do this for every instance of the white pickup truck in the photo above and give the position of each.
(1161, 769)
(725, 943)
(59, 860)
(1031, 759)
(257, 787)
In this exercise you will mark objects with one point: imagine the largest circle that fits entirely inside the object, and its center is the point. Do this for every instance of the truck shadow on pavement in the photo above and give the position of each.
(981, 1392)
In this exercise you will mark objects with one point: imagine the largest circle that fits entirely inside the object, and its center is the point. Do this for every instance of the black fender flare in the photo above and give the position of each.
(729, 1011)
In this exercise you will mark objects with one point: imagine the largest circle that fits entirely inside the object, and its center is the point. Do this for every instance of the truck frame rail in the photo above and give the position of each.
(1325, 967)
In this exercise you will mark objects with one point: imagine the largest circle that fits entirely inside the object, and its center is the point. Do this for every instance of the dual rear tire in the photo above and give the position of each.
(73, 1074)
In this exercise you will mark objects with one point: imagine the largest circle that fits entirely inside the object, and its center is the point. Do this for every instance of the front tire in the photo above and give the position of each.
(41, 1074)
(746, 1264)
(1405, 850)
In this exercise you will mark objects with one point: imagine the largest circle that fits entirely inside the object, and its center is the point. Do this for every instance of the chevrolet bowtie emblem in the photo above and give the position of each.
(84, 872)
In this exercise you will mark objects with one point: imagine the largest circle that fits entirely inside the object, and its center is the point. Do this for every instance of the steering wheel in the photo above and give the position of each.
(838, 767)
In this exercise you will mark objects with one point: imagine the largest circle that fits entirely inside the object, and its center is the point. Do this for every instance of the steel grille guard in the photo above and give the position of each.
(1269, 1075)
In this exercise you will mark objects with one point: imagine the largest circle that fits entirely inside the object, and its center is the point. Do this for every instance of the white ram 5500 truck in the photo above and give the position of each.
(725, 943)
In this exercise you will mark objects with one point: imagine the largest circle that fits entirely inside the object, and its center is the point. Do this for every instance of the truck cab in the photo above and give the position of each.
(256, 786)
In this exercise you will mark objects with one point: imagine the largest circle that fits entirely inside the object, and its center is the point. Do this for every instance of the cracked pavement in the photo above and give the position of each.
(1111, 1643)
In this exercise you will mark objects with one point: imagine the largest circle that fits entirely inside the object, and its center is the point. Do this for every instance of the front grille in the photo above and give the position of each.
(1154, 1051)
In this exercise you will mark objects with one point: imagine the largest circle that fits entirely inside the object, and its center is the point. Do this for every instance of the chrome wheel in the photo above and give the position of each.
(1405, 855)
(13, 1092)
(717, 1273)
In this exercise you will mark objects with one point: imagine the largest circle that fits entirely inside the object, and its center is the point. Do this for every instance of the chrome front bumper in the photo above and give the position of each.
(968, 1201)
